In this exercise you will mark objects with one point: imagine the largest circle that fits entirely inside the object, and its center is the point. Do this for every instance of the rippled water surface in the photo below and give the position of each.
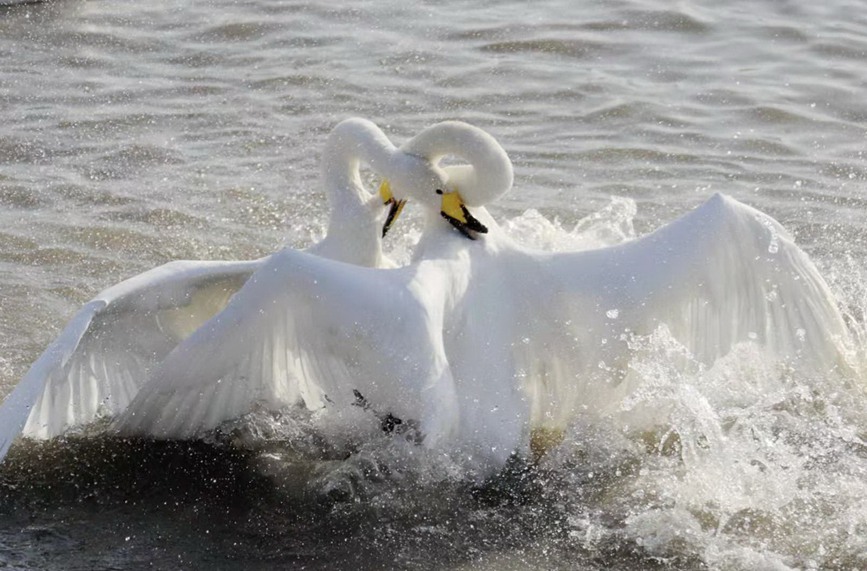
(135, 133)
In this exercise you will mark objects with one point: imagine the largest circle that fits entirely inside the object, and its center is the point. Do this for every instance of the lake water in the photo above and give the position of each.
(135, 133)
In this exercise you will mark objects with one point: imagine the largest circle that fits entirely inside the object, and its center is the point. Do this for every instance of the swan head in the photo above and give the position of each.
(450, 190)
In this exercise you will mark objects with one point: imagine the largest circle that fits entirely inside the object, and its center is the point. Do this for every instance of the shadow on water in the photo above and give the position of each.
(104, 501)
(6, 4)
(106, 471)
(34, 12)
(107, 502)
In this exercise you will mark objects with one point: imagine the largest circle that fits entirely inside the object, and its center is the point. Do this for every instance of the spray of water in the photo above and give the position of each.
(747, 463)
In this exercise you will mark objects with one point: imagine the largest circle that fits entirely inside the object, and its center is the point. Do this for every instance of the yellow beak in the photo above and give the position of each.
(396, 206)
(452, 209)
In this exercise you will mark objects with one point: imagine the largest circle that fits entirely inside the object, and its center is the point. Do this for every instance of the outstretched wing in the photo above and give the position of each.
(106, 351)
(302, 328)
(722, 274)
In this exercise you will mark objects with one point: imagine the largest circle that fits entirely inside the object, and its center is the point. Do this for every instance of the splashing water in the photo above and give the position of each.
(744, 464)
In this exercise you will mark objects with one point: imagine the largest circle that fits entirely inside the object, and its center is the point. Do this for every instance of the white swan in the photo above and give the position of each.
(107, 350)
(266, 347)
(480, 340)
(722, 274)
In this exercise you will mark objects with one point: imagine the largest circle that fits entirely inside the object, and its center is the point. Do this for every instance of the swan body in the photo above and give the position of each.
(101, 359)
(262, 348)
(482, 341)
(555, 327)
(246, 354)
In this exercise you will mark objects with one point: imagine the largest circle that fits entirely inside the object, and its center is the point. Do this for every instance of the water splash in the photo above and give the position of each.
(611, 225)
(746, 463)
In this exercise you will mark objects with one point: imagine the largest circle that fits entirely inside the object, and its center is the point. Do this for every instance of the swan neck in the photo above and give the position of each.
(351, 143)
(489, 174)
(355, 221)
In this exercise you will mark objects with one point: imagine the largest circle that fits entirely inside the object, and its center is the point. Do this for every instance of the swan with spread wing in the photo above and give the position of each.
(526, 331)
(106, 352)
(481, 340)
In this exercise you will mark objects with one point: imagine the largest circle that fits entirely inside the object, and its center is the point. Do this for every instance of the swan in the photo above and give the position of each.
(257, 350)
(243, 356)
(485, 343)
(554, 327)
(558, 324)
(105, 353)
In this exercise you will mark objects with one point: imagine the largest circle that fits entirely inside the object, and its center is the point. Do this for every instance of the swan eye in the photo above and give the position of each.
(439, 191)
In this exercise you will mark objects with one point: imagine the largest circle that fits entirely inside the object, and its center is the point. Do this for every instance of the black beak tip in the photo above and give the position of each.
(395, 206)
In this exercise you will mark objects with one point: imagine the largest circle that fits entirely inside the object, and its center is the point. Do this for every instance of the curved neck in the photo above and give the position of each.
(489, 173)
(351, 143)
(354, 225)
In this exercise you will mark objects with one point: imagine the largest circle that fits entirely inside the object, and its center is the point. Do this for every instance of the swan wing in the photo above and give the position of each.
(722, 274)
(103, 355)
(303, 328)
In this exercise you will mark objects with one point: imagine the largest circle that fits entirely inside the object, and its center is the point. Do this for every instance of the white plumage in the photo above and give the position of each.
(482, 340)
(108, 349)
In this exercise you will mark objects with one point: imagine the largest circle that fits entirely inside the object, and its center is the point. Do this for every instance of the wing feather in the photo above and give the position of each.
(722, 274)
(302, 328)
(105, 352)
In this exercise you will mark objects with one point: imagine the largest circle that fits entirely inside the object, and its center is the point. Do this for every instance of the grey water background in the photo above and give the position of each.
(135, 133)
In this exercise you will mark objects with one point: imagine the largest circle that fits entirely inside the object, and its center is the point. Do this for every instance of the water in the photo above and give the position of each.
(137, 133)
